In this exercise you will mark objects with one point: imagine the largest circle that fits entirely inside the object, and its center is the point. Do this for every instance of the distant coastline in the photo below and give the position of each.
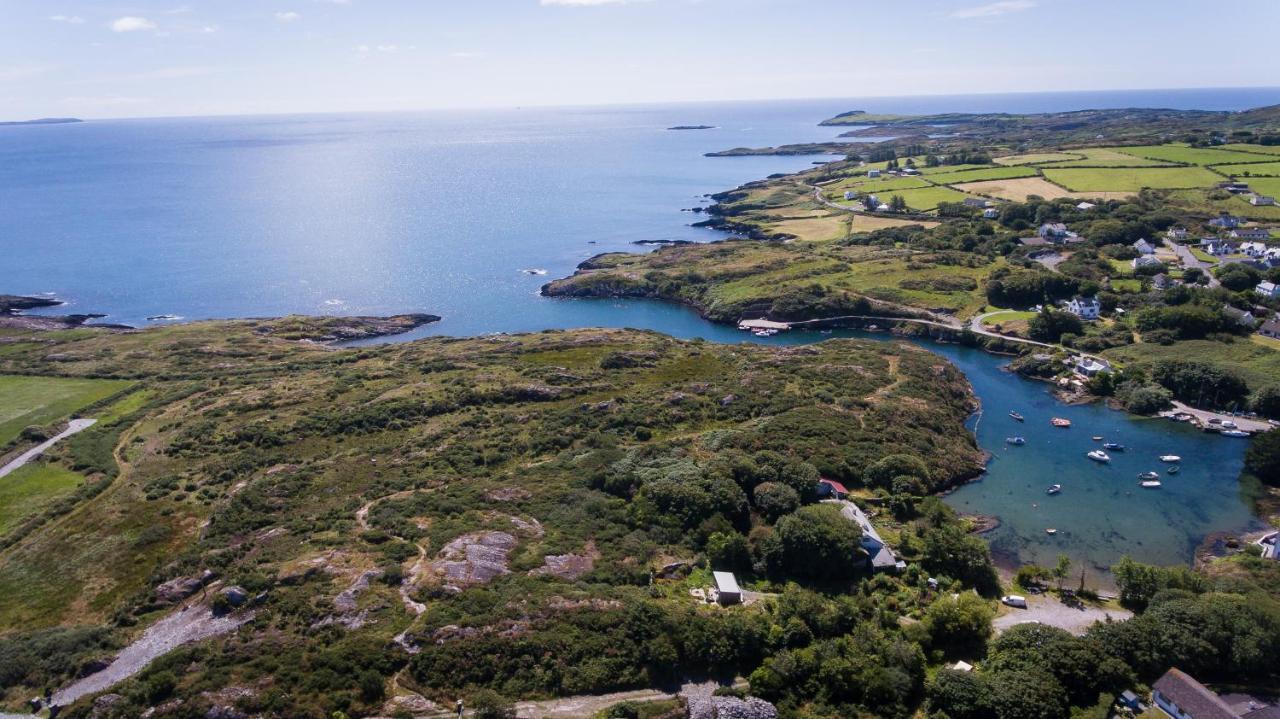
(42, 121)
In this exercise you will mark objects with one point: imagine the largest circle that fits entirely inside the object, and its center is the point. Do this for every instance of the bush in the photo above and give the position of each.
(1144, 398)
(815, 542)
(774, 499)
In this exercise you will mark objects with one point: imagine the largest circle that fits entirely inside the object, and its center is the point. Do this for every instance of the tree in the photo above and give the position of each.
(816, 542)
(951, 551)
(1193, 276)
(961, 695)
(728, 551)
(1061, 569)
(1266, 401)
(960, 625)
(488, 704)
(1263, 458)
(1050, 324)
(897, 203)
(775, 499)
(883, 471)
(1029, 694)
(1239, 277)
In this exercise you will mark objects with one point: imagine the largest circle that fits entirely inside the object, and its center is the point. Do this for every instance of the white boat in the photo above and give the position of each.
(1151, 483)
(1235, 433)
(1228, 424)
(1054, 489)
(1149, 475)
(1170, 458)
(1015, 440)
(1098, 455)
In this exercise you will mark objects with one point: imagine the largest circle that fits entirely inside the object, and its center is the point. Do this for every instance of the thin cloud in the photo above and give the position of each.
(994, 9)
(466, 55)
(69, 19)
(586, 3)
(130, 23)
(288, 16)
(173, 73)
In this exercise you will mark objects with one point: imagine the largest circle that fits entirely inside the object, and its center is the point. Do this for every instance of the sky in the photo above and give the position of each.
(154, 58)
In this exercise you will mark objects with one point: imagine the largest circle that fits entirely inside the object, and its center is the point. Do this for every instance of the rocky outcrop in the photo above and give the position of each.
(730, 708)
(179, 588)
(474, 558)
(9, 304)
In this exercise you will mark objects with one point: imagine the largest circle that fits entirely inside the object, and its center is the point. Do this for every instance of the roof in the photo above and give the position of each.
(726, 583)
(1192, 697)
(834, 485)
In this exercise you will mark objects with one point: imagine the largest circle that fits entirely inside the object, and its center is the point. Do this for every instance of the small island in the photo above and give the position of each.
(43, 121)
(692, 127)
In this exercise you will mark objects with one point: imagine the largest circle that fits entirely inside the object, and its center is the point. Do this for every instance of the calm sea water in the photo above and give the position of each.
(440, 212)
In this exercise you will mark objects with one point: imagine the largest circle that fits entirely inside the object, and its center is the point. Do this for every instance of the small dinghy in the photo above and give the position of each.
(1149, 475)
(1050, 530)
(1017, 441)
(1098, 455)
(1053, 489)
(1234, 433)
(1097, 438)
(1017, 416)
(1113, 446)
(1060, 422)
(1171, 458)
(1173, 469)
(1150, 484)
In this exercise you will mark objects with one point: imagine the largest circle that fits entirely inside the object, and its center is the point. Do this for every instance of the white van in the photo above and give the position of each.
(1014, 600)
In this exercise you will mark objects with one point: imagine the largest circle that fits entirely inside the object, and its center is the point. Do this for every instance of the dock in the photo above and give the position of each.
(763, 324)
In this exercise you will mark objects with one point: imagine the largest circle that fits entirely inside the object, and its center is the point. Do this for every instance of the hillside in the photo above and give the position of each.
(373, 515)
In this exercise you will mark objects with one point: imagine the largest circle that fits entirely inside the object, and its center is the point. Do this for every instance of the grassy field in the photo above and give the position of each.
(928, 198)
(1105, 157)
(1260, 149)
(1007, 316)
(944, 169)
(1266, 186)
(1258, 365)
(32, 488)
(1192, 155)
(991, 173)
(885, 184)
(1265, 169)
(1021, 188)
(1131, 179)
(26, 401)
(1037, 158)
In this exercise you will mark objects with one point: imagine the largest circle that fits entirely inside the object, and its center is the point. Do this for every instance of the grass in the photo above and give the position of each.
(1268, 342)
(1204, 201)
(943, 169)
(1266, 186)
(1257, 364)
(1020, 188)
(928, 198)
(32, 488)
(1037, 158)
(1131, 179)
(1191, 155)
(26, 401)
(1007, 316)
(1130, 286)
(1260, 149)
(992, 173)
(1265, 169)
(884, 184)
(1105, 157)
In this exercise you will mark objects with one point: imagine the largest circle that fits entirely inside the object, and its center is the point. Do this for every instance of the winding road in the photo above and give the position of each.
(74, 426)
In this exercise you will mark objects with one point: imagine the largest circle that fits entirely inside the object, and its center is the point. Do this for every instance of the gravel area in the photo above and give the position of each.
(1048, 610)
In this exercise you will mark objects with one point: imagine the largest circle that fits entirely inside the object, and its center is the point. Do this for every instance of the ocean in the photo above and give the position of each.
(443, 212)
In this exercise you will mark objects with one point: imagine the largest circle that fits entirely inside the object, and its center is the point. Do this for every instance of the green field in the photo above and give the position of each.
(26, 401)
(1131, 179)
(1037, 158)
(1266, 186)
(943, 169)
(1261, 149)
(990, 173)
(883, 184)
(1266, 169)
(928, 198)
(1258, 365)
(1192, 155)
(1007, 316)
(1105, 157)
(32, 488)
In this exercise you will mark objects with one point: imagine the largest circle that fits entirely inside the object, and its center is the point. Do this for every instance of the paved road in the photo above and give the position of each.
(75, 425)
(1188, 259)
(1244, 423)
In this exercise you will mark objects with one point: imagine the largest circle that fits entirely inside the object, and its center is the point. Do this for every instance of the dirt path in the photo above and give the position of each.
(181, 627)
(75, 425)
(414, 572)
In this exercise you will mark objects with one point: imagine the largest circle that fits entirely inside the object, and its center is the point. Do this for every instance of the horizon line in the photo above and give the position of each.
(663, 103)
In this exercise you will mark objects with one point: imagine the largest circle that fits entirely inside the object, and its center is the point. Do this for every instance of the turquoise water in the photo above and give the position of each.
(440, 212)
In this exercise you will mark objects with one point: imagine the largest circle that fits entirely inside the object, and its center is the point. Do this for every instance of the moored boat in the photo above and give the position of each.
(1098, 455)
(1060, 422)
(1171, 458)
(1017, 416)
(1097, 438)
(1015, 440)
(1151, 484)
(1173, 470)
(1053, 489)
(1050, 530)
(1149, 475)
(1113, 446)
(1234, 433)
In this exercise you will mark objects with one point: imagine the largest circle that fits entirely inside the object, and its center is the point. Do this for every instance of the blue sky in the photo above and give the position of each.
(120, 58)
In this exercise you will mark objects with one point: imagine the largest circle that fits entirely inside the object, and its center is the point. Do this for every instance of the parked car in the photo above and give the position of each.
(1014, 600)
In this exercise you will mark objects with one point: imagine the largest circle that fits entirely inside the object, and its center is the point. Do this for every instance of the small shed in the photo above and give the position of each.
(831, 488)
(727, 588)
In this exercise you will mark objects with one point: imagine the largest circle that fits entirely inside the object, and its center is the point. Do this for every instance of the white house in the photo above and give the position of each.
(990, 213)
(850, 194)
(1052, 230)
(1241, 317)
(727, 591)
(1089, 367)
(1176, 233)
(1146, 261)
(1262, 200)
(1086, 308)
(1250, 233)
(1254, 249)
(1268, 289)
(1085, 206)
(1143, 247)
(873, 174)
(1182, 697)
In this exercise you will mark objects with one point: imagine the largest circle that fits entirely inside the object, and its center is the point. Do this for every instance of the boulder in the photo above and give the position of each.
(236, 596)
(177, 589)
(730, 708)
